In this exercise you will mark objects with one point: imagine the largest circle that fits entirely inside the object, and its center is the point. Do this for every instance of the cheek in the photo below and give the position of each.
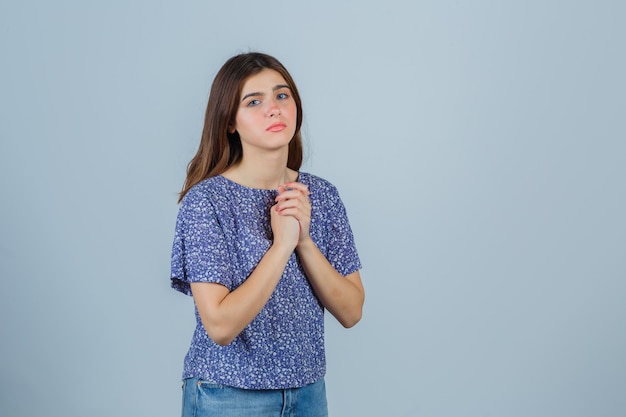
(291, 109)
(244, 121)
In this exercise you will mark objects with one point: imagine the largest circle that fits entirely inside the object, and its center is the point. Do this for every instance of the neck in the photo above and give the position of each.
(266, 171)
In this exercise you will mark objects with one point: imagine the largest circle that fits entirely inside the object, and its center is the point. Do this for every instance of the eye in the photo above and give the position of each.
(253, 103)
(282, 96)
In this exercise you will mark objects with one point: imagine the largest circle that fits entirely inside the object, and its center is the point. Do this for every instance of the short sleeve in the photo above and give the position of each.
(342, 253)
(200, 252)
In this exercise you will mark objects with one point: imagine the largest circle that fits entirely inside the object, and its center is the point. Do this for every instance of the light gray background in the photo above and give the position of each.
(478, 146)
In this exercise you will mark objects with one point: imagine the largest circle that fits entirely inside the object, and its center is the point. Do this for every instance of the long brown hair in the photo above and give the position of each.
(219, 149)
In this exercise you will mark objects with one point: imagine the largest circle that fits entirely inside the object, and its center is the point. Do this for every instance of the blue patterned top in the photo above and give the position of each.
(222, 232)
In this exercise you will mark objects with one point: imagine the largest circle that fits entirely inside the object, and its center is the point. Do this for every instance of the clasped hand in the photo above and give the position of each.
(291, 215)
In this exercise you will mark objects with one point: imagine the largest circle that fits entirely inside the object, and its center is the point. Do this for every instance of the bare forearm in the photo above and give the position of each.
(342, 296)
(225, 317)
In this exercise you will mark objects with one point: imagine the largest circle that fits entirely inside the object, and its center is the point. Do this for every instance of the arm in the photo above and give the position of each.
(225, 313)
(342, 296)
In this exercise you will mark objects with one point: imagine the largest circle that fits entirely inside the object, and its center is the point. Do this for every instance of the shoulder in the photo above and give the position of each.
(323, 192)
(203, 198)
(317, 184)
(205, 190)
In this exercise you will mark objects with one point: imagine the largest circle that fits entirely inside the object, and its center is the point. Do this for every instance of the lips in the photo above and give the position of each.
(276, 127)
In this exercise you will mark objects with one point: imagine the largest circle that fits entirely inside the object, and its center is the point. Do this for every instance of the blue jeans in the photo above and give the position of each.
(206, 399)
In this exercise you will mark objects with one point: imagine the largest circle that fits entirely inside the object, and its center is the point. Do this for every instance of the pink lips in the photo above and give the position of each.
(276, 127)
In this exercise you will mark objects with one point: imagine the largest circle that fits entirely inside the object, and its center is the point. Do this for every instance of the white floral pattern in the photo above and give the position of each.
(222, 232)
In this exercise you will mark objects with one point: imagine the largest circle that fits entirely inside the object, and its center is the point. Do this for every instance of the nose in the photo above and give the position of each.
(273, 110)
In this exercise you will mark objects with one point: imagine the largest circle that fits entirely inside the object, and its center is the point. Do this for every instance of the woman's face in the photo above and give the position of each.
(267, 114)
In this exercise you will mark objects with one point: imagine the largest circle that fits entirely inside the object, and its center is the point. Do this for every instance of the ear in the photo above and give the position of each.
(231, 128)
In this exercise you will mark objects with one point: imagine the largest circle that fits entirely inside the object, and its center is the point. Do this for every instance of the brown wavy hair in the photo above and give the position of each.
(219, 149)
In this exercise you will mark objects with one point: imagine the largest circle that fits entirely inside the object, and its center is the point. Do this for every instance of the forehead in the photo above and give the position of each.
(264, 81)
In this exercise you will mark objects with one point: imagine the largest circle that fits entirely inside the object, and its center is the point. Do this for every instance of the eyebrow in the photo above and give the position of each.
(257, 94)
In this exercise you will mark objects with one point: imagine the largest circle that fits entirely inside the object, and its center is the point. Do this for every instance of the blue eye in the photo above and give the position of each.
(253, 103)
(282, 96)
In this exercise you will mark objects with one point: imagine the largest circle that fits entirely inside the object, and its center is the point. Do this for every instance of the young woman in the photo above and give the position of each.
(263, 249)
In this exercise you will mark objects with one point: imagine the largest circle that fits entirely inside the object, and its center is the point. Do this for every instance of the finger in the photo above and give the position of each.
(292, 204)
(298, 186)
(296, 214)
(292, 195)
(301, 203)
